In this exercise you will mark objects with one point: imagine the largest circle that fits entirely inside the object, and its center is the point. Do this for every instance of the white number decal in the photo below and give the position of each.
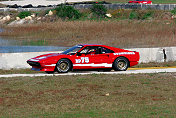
(87, 59)
(78, 60)
(82, 60)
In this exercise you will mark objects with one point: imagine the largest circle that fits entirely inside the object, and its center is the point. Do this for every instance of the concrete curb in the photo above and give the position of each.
(18, 60)
(108, 6)
(161, 54)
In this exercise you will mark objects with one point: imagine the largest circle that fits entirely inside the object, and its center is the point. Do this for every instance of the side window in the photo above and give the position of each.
(105, 50)
(85, 50)
(89, 50)
(95, 50)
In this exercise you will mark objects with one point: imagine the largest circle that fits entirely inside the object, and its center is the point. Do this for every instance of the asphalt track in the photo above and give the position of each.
(129, 71)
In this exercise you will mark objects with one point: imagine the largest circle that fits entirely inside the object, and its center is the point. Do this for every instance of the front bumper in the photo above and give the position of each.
(32, 63)
(41, 67)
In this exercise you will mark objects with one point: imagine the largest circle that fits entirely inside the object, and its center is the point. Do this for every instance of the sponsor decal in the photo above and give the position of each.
(82, 60)
(124, 53)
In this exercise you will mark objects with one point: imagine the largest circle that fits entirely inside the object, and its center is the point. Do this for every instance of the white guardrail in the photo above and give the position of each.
(108, 6)
(18, 60)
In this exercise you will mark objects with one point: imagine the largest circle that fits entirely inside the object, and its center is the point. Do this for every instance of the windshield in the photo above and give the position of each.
(73, 50)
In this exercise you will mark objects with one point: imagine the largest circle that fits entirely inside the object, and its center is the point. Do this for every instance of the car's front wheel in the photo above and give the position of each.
(121, 64)
(63, 66)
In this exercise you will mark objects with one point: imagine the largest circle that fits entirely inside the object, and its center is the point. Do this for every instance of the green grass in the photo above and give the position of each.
(155, 64)
(17, 71)
(164, 1)
(142, 95)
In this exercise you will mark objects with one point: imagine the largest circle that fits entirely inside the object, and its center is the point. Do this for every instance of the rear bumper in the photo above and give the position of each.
(133, 63)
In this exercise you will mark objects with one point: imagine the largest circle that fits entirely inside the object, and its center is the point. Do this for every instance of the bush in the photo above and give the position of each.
(147, 15)
(134, 15)
(173, 11)
(67, 12)
(99, 11)
(24, 14)
(140, 14)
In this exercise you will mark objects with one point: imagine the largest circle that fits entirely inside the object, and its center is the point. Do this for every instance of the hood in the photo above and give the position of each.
(45, 56)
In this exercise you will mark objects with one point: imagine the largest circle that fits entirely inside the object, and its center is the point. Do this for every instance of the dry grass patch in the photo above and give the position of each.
(142, 95)
(124, 33)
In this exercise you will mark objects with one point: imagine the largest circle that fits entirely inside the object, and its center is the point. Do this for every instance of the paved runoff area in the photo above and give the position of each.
(129, 71)
(39, 2)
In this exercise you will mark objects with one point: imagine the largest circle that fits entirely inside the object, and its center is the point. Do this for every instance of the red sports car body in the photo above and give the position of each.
(141, 1)
(89, 56)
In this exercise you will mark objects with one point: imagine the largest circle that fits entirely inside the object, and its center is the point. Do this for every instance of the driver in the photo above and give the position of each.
(91, 51)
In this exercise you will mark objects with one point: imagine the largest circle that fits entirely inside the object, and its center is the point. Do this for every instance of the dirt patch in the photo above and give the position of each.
(158, 98)
(1, 100)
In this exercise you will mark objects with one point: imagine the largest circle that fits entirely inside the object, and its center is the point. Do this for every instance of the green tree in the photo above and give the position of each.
(98, 10)
(67, 12)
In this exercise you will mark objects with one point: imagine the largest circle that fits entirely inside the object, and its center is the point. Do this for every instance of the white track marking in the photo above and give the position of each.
(94, 72)
(95, 65)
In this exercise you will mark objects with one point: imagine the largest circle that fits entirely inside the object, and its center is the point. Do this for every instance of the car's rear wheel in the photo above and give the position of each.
(121, 64)
(63, 66)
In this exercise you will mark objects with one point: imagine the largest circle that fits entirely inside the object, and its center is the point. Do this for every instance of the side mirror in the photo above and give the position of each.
(78, 54)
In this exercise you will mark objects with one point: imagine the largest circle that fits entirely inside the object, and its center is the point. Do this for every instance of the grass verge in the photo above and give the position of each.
(155, 64)
(108, 96)
(142, 65)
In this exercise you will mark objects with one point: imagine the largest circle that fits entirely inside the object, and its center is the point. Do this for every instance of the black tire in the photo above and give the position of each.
(121, 64)
(63, 66)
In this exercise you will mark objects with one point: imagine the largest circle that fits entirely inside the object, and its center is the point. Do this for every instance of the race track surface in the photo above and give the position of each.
(129, 71)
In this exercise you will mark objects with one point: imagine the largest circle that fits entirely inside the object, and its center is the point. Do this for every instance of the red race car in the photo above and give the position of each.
(141, 1)
(88, 56)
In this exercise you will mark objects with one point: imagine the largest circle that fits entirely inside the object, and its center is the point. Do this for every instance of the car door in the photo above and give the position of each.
(101, 58)
(89, 60)
(82, 60)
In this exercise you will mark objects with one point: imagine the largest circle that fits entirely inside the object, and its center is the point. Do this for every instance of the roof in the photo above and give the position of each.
(92, 45)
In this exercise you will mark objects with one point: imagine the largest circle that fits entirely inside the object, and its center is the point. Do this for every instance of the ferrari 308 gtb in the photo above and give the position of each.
(140, 1)
(87, 56)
